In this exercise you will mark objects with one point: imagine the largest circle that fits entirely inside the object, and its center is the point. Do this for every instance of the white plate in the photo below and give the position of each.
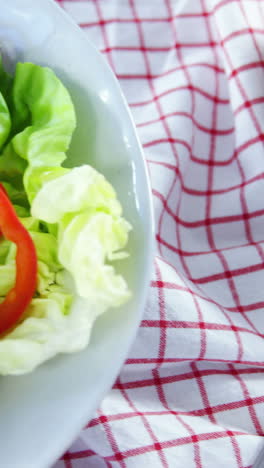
(41, 413)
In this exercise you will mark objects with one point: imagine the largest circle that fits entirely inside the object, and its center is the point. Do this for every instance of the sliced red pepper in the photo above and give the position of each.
(18, 298)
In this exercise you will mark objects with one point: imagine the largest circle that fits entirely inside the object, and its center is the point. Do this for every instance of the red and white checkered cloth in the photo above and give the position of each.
(191, 393)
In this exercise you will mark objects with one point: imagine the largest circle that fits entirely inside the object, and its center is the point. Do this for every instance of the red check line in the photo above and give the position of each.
(147, 67)
(245, 308)
(243, 199)
(159, 390)
(246, 67)
(144, 419)
(168, 140)
(227, 274)
(208, 221)
(240, 149)
(249, 234)
(192, 45)
(79, 455)
(121, 416)
(103, 30)
(132, 20)
(210, 66)
(214, 67)
(111, 439)
(219, 132)
(205, 94)
(190, 376)
(251, 409)
(175, 154)
(157, 96)
(241, 32)
(244, 96)
(210, 411)
(161, 303)
(67, 460)
(177, 442)
(179, 324)
(159, 49)
(208, 210)
(68, 456)
(192, 253)
(161, 395)
(163, 445)
(211, 241)
(204, 396)
(162, 336)
(122, 21)
(202, 193)
(247, 104)
(162, 345)
(156, 361)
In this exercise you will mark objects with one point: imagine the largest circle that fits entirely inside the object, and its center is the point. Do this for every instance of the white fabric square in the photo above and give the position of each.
(182, 343)
(227, 234)
(226, 204)
(156, 35)
(189, 26)
(81, 12)
(170, 77)
(204, 265)
(135, 66)
(176, 98)
(192, 208)
(146, 131)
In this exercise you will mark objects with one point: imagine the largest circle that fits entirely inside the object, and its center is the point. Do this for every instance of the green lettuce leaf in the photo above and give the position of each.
(7, 277)
(6, 83)
(72, 215)
(43, 119)
(91, 232)
(86, 242)
(78, 189)
(5, 118)
(5, 121)
(48, 329)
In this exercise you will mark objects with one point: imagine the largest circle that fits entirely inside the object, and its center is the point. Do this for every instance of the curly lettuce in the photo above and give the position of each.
(72, 215)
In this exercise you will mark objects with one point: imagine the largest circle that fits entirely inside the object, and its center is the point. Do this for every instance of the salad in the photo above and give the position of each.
(60, 229)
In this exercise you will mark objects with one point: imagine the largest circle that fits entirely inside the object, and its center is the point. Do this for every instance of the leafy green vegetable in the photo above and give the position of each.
(5, 122)
(72, 215)
(41, 99)
(78, 189)
(94, 278)
(6, 83)
(88, 212)
(43, 123)
(7, 277)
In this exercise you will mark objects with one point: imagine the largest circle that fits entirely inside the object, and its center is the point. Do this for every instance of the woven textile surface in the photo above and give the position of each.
(191, 392)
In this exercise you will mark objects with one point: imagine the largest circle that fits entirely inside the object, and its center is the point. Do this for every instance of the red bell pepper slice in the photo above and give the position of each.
(18, 298)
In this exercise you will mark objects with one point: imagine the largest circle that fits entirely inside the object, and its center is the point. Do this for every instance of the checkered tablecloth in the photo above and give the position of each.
(191, 393)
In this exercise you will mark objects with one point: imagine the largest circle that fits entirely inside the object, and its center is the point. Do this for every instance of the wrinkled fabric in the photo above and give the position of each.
(191, 392)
